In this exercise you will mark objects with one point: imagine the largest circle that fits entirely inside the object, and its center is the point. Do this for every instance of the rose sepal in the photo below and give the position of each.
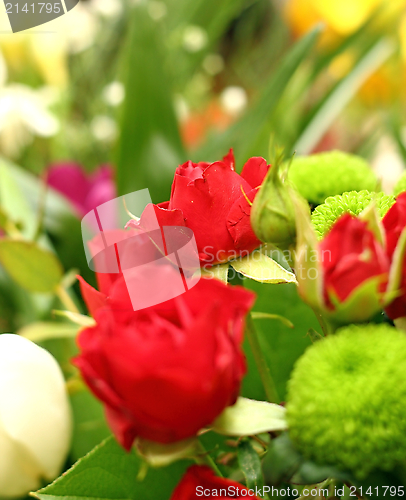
(361, 304)
(162, 455)
(396, 269)
(248, 417)
(307, 259)
(374, 222)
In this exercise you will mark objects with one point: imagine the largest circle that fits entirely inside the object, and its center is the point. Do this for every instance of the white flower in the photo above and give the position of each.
(234, 100)
(114, 93)
(48, 48)
(35, 418)
(194, 38)
(104, 128)
(23, 113)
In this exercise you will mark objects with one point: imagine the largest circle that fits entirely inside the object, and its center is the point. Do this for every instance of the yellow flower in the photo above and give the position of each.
(344, 17)
(47, 48)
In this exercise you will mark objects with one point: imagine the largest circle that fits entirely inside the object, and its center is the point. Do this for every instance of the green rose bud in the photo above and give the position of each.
(273, 212)
(346, 401)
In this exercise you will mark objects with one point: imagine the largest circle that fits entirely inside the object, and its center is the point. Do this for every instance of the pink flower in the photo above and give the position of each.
(84, 191)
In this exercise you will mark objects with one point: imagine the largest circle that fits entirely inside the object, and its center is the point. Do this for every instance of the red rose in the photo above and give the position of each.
(166, 371)
(394, 223)
(200, 480)
(215, 202)
(351, 257)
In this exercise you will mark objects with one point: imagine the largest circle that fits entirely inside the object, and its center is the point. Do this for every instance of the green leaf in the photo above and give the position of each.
(250, 465)
(3, 218)
(330, 106)
(219, 271)
(284, 463)
(248, 417)
(13, 201)
(311, 473)
(33, 268)
(261, 315)
(255, 123)
(280, 345)
(59, 220)
(44, 330)
(150, 146)
(109, 473)
(90, 427)
(199, 13)
(281, 461)
(259, 267)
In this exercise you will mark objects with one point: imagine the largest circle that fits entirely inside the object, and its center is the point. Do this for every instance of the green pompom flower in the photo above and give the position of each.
(400, 185)
(326, 174)
(354, 202)
(347, 400)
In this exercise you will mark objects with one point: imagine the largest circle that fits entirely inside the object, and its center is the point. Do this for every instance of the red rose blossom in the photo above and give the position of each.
(394, 223)
(200, 481)
(166, 371)
(215, 202)
(350, 256)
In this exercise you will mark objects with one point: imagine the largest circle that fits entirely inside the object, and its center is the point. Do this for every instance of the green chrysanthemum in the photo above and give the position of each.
(354, 202)
(400, 185)
(347, 400)
(326, 174)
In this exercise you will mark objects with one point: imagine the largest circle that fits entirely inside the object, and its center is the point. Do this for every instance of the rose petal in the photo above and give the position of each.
(254, 171)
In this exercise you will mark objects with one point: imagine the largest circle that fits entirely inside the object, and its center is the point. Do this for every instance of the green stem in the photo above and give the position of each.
(205, 457)
(66, 300)
(321, 321)
(263, 368)
(327, 326)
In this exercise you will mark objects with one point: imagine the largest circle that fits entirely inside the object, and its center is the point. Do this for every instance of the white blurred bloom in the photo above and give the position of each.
(157, 10)
(49, 48)
(387, 163)
(182, 109)
(233, 100)
(213, 64)
(35, 417)
(107, 8)
(114, 93)
(104, 128)
(194, 38)
(23, 113)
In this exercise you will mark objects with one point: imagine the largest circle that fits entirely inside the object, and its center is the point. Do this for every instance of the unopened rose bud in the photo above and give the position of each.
(272, 213)
(35, 419)
(345, 275)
